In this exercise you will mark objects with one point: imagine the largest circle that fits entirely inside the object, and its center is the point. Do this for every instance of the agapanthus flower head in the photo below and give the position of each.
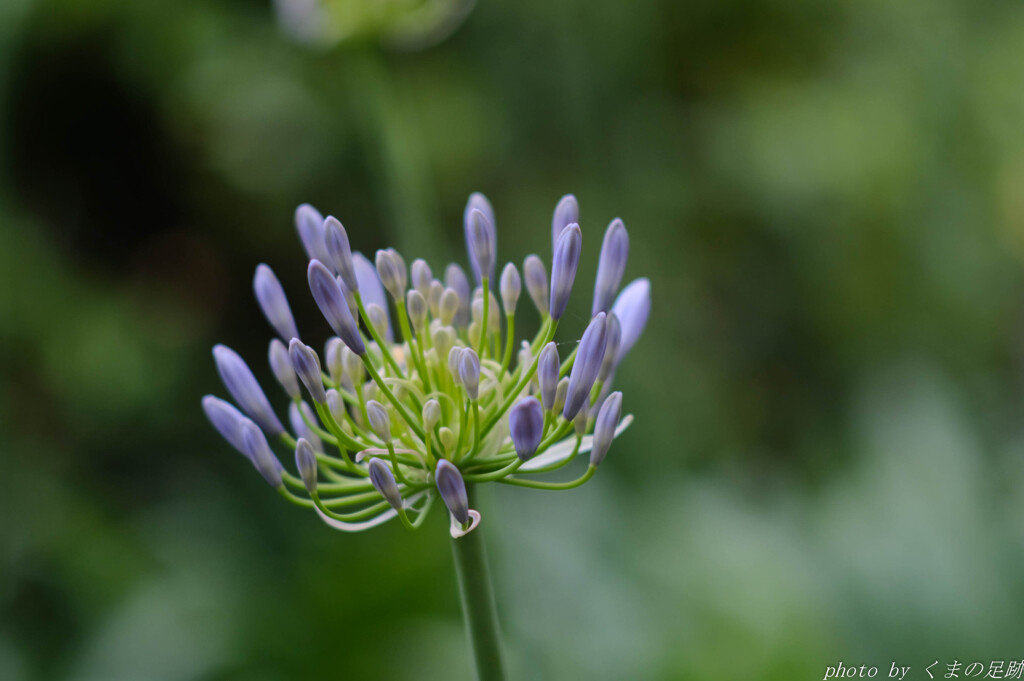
(444, 399)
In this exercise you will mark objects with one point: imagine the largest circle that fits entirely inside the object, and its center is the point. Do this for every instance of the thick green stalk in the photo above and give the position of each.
(478, 608)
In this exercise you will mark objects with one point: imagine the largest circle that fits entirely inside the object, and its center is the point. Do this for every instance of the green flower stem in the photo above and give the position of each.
(478, 607)
(495, 475)
(536, 484)
(567, 364)
(483, 319)
(510, 340)
(518, 388)
(376, 337)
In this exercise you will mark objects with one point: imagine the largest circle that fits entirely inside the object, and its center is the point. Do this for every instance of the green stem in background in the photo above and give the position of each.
(483, 319)
(478, 607)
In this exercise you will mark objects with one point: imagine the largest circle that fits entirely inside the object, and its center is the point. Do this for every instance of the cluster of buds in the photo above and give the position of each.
(384, 427)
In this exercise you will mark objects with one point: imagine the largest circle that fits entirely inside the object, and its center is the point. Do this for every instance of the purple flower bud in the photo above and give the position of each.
(281, 365)
(604, 427)
(340, 252)
(226, 419)
(526, 425)
(453, 490)
(383, 481)
(421, 277)
(255, 444)
(586, 365)
(536, 282)
(632, 307)
(511, 287)
(273, 302)
(310, 225)
(456, 280)
(242, 385)
(480, 238)
(454, 360)
(307, 366)
(416, 304)
(469, 372)
(379, 420)
(563, 269)
(613, 337)
(547, 374)
(392, 273)
(299, 425)
(305, 461)
(611, 266)
(567, 212)
(331, 301)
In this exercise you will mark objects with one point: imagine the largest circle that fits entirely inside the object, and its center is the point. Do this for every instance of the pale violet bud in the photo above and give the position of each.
(310, 225)
(613, 333)
(258, 451)
(226, 419)
(480, 238)
(379, 420)
(469, 372)
(567, 212)
(305, 461)
(536, 282)
(307, 366)
(431, 414)
(331, 301)
(526, 425)
(421, 276)
(379, 319)
(456, 280)
(242, 385)
(453, 490)
(332, 355)
(281, 365)
(611, 266)
(632, 307)
(339, 252)
(434, 294)
(585, 367)
(336, 405)
(511, 287)
(370, 288)
(273, 302)
(392, 273)
(417, 307)
(548, 366)
(350, 298)
(560, 395)
(455, 360)
(299, 425)
(563, 269)
(479, 203)
(383, 481)
(580, 421)
(604, 427)
(448, 306)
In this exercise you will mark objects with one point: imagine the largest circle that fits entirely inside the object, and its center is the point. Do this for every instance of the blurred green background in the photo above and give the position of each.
(828, 456)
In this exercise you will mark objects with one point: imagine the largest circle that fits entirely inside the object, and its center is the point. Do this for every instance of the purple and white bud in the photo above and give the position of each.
(256, 447)
(379, 319)
(242, 385)
(448, 306)
(383, 481)
(331, 301)
(469, 372)
(613, 337)
(421, 277)
(604, 427)
(480, 239)
(453, 490)
(307, 366)
(454, 361)
(536, 282)
(548, 366)
(563, 269)
(226, 419)
(379, 420)
(299, 425)
(567, 212)
(511, 287)
(611, 266)
(270, 295)
(586, 366)
(632, 307)
(434, 294)
(392, 273)
(281, 365)
(431, 414)
(340, 252)
(526, 425)
(305, 461)
(310, 225)
(456, 280)
(416, 304)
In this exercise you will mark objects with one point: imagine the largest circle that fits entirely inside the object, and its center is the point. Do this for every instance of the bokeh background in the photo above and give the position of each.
(827, 461)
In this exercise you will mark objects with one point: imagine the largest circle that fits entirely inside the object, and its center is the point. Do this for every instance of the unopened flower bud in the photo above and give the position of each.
(353, 366)
(336, 405)
(256, 447)
(526, 426)
(305, 461)
(582, 418)
(567, 212)
(511, 287)
(307, 366)
(379, 420)
(548, 366)
(332, 356)
(431, 414)
(242, 385)
(453, 490)
(444, 338)
(586, 365)
(563, 269)
(632, 307)
(560, 395)
(310, 225)
(447, 438)
(299, 425)
(383, 481)
(456, 280)
(613, 333)
(479, 228)
(421, 277)
(611, 266)
(448, 306)
(536, 282)
(331, 301)
(454, 361)
(281, 366)
(227, 420)
(469, 372)
(604, 427)
(340, 253)
(270, 295)
(434, 294)
(392, 273)
(417, 306)
(370, 288)
(379, 319)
